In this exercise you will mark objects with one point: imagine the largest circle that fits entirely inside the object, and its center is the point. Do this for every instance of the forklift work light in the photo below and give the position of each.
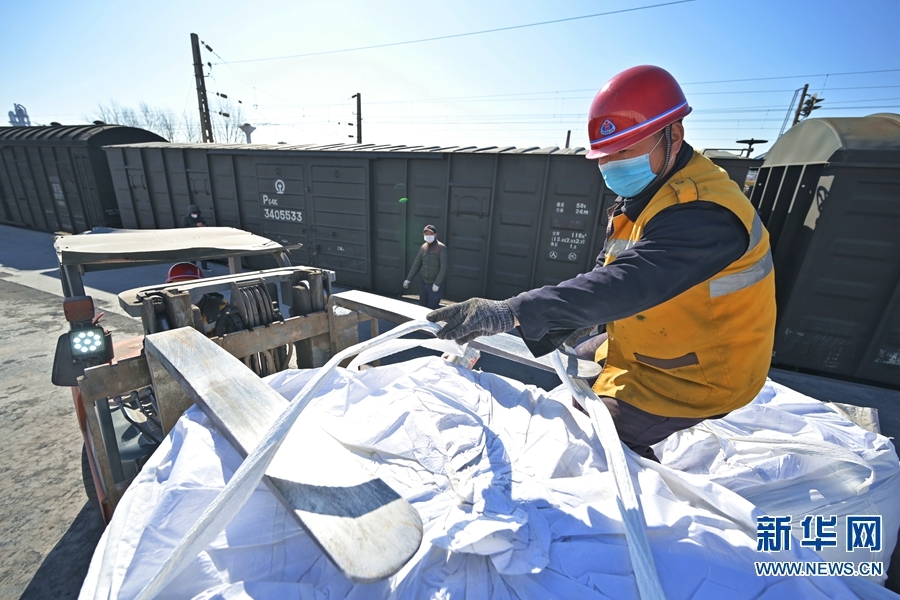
(87, 343)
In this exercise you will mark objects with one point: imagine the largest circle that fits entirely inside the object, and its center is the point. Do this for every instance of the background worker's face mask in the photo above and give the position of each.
(429, 238)
(195, 215)
(630, 176)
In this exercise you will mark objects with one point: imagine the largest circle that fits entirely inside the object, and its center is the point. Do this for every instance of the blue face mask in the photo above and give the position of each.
(630, 176)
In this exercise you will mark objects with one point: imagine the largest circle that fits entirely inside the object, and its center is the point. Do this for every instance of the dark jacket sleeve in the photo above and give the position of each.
(442, 273)
(681, 247)
(417, 264)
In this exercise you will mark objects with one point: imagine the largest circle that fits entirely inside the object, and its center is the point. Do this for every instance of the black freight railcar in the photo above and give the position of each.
(513, 218)
(829, 194)
(56, 178)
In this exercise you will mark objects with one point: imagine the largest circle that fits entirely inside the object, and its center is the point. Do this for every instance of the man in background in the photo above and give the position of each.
(432, 261)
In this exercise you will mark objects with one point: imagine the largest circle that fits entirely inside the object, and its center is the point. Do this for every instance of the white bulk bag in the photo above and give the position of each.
(514, 494)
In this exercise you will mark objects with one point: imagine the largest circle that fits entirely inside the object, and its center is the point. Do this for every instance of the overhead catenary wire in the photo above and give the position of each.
(506, 98)
(521, 118)
(791, 77)
(209, 48)
(474, 125)
(466, 34)
(558, 96)
(556, 119)
(239, 74)
(551, 117)
(171, 112)
(607, 13)
(502, 97)
(510, 96)
(256, 87)
(434, 122)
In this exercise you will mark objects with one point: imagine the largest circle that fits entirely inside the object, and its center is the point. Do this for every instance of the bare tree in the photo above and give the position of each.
(227, 123)
(129, 117)
(116, 114)
(148, 118)
(111, 113)
(189, 128)
(165, 125)
(158, 120)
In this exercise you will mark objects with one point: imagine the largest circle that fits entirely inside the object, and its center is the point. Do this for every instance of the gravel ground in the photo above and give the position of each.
(47, 528)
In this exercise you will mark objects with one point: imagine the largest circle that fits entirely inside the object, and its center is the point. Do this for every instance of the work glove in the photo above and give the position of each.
(405, 283)
(473, 318)
(435, 287)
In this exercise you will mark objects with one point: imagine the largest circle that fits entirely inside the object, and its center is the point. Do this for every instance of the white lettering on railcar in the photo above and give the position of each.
(283, 214)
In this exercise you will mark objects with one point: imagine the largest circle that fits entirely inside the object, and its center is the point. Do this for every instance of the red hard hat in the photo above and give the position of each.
(183, 271)
(631, 107)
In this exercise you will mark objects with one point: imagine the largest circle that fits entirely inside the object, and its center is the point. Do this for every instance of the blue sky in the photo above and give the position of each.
(519, 87)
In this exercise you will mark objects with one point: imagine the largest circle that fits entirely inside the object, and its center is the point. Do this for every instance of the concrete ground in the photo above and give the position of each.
(48, 530)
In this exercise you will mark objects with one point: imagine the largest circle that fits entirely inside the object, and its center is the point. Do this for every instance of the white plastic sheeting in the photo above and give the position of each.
(794, 456)
(515, 496)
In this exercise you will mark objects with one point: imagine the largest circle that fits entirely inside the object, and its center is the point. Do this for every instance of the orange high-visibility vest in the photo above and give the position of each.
(706, 351)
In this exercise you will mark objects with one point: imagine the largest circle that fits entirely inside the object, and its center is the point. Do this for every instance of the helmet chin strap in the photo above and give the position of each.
(667, 133)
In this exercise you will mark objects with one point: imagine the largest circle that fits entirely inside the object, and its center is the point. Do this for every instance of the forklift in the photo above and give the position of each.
(271, 316)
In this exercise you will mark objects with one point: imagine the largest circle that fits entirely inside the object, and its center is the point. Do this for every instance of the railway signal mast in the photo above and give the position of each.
(811, 104)
(806, 105)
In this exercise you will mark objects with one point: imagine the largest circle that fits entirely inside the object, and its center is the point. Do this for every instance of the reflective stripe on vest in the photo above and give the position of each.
(752, 274)
(756, 232)
(616, 246)
(729, 283)
(744, 279)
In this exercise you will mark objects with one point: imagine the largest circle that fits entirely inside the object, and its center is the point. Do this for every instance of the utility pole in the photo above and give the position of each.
(205, 119)
(800, 105)
(358, 97)
(568, 137)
